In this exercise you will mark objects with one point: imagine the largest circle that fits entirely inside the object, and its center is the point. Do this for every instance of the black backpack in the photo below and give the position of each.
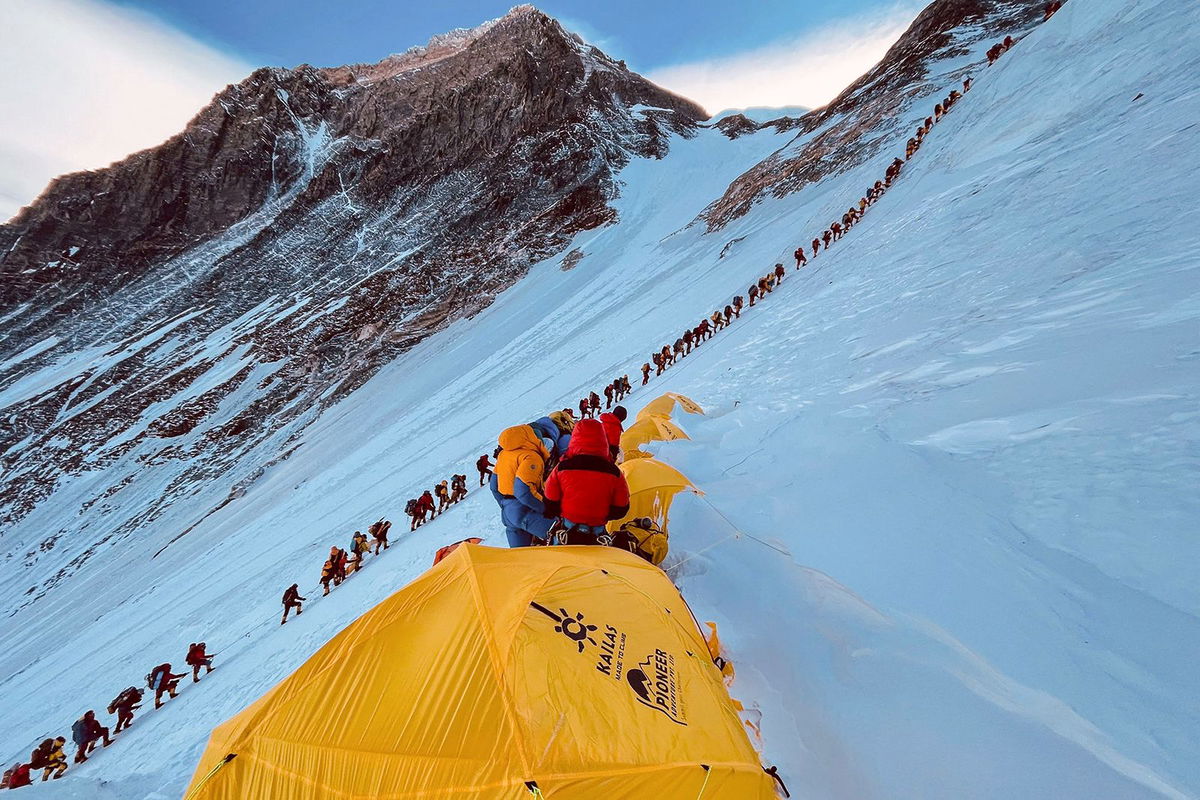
(410, 507)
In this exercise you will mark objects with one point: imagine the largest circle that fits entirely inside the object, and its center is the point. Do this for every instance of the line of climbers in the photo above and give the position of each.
(669, 354)
(429, 504)
(556, 479)
(342, 563)
(1000, 48)
(87, 731)
(589, 407)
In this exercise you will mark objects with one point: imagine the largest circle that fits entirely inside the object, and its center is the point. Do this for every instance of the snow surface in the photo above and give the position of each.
(949, 530)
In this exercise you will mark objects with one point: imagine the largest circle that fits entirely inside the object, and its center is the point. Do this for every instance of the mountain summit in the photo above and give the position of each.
(307, 225)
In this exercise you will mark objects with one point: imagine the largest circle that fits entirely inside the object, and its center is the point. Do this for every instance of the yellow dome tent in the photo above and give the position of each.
(654, 424)
(569, 673)
(650, 429)
(664, 406)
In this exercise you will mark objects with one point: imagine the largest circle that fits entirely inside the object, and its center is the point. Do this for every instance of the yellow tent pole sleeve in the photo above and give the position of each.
(196, 789)
(703, 786)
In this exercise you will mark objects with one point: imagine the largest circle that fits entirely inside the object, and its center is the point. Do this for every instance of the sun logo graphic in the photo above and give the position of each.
(572, 627)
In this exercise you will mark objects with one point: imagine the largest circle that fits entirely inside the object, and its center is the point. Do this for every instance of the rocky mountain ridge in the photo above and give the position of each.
(863, 118)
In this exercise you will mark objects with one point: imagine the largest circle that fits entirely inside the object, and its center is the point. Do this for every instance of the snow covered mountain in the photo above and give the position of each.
(196, 305)
(950, 467)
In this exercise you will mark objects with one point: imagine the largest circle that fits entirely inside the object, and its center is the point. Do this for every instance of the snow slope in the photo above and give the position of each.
(949, 525)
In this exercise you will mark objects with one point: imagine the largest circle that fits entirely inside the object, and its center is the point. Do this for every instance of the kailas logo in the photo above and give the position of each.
(656, 684)
(574, 628)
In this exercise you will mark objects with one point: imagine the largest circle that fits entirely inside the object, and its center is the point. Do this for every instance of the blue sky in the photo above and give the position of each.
(647, 35)
(138, 70)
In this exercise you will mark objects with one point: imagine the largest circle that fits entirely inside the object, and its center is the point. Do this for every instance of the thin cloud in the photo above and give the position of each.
(84, 83)
(808, 70)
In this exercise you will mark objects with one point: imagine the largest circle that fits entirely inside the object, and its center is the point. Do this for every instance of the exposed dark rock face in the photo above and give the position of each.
(736, 125)
(209, 296)
(867, 114)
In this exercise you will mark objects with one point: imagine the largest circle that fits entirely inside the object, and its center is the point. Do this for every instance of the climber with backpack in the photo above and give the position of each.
(586, 489)
(518, 479)
(162, 681)
(50, 758)
(196, 659)
(123, 706)
(327, 571)
(612, 422)
(359, 547)
(379, 530)
(458, 488)
(485, 468)
(424, 507)
(338, 558)
(17, 777)
(291, 599)
(86, 731)
(442, 491)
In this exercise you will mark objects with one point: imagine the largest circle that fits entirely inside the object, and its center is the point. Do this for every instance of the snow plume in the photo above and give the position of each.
(84, 83)
(808, 70)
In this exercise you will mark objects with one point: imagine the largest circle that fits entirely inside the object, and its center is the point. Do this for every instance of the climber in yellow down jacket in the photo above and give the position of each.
(517, 481)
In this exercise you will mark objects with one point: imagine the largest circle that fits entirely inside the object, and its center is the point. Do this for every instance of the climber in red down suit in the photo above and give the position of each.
(586, 489)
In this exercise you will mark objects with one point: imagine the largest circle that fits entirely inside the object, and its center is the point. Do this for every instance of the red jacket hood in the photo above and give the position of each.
(588, 438)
